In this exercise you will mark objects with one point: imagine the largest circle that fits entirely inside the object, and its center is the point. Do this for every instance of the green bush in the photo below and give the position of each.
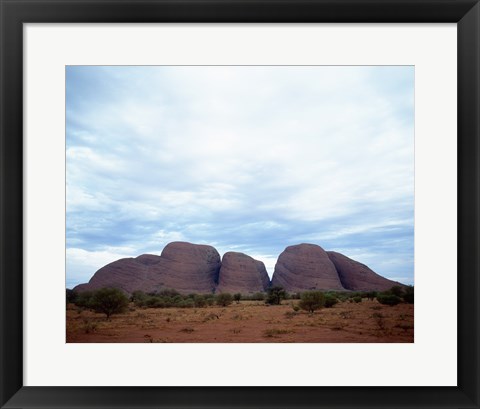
(275, 296)
(71, 296)
(396, 290)
(311, 301)
(388, 299)
(186, 303)
(371, 295)
(258, 297)
(210, 299)
(330, 301)
(168, 293)
(109, 301)
(408, 297)
(357, 298)
(199, 301)
(138, 298)
(84, 299)
(224, 299)
(153, 301)
(237, 297)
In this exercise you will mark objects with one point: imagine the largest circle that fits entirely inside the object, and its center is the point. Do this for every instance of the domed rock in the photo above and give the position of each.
(356, 276)
(305, 267)
(188, 268)
(128, 274)
(243, 274)
(185, 267)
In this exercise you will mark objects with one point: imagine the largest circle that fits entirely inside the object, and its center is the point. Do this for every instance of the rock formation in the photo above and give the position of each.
(188, 268)
(196, 268)
(356, 276)
(185, 267)
(240, 273)
(305, 267)
(128, 274)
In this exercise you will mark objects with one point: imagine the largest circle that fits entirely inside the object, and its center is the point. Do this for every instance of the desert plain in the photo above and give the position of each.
(246, 322)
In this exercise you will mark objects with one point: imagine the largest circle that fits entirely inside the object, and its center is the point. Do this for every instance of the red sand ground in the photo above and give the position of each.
(249, 321)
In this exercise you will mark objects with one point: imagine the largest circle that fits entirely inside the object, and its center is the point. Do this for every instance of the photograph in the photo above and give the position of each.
(239, 204)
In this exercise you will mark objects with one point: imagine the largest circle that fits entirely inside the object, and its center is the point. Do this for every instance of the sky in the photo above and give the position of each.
(244, 158)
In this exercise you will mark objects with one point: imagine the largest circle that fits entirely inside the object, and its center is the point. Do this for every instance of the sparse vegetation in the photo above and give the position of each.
(109, 301)
(167, 316)
(388, 299)
(84, 299)
(71, 296)
(408, 297)
(256, 297)
(396, 290)
(237, 297)
(311, 301)
(275, 296)
(89, 326)
(371, 295)
(379, 320)
(274, 332)
(224, 299)
(330, 300)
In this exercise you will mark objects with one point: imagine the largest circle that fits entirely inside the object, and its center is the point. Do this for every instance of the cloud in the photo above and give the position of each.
(244, 158)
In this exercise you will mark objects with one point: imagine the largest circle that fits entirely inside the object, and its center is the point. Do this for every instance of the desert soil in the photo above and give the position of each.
(248, 321)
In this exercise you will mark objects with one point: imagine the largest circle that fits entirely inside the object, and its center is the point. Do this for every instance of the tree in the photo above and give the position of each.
(275, 295)
(109, 301)
(311, 301)
(224, 299)
(237, 297)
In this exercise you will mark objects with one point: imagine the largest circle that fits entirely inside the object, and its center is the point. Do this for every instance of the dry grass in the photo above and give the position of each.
(248, 321)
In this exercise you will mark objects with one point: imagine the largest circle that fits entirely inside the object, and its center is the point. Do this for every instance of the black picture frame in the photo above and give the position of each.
(14, 13)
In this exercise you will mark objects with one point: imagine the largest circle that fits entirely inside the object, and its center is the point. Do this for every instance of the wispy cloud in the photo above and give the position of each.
(244, 158)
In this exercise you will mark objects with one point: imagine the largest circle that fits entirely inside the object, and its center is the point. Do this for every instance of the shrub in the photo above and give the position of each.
(186, 303)
(71, 296)
(210, 299)
(109, 301)
(139, 298)
(275, 295)
(84, 299)
(357, 298)
(330, 301)
(89, 326)
(168, 293)
(154, 302)
(408, 297)
(224, 299)
(371, 295)
(199, 301)
(311, 301)
(258, 297)
(396, 290)
(388, 299)
(237, 297)
(379, 320)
